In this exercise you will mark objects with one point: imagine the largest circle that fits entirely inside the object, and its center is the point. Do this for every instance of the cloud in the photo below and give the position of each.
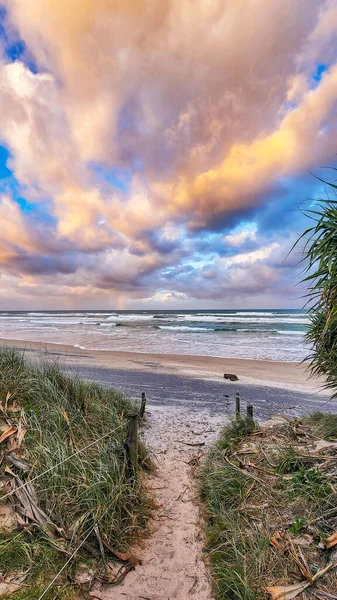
(239, 237)
(164, 139)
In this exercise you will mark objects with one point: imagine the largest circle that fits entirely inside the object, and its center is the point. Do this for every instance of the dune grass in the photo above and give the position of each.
(324, 425)
(62, 414)
(255, 484)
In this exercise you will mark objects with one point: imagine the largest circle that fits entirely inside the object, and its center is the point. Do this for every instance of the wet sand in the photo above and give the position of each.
(193, 384)
(286, 375)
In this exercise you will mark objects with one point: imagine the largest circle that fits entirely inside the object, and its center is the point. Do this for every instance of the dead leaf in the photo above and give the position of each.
(330, 541)
(6, 434)
(7, 398)
(304, 540)
(8, 518)
(21, 432)
(11, 583)
(287, 592)
(18, 462)
(123, 556)
(84, 576)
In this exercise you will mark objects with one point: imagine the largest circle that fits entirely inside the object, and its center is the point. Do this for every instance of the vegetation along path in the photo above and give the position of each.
(183, 411)
(172, 559)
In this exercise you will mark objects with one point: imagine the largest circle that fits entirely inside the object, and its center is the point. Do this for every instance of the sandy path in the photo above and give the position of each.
(172, 560)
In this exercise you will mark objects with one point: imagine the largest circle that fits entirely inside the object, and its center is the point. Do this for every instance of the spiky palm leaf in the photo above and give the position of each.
(320, 274)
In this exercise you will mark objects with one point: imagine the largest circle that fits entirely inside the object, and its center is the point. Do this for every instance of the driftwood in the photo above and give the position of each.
(231, 376)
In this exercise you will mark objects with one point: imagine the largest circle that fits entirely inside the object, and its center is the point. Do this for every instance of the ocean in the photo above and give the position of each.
(253, 334)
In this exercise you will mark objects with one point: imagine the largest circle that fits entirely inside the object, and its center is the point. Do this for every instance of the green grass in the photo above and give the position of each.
(234, 432)
(324, 425)
(63, 414)
(289, 461)
(244, 507)
(21, 552)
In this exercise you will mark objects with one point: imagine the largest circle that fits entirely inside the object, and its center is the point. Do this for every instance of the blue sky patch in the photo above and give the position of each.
(13, 46)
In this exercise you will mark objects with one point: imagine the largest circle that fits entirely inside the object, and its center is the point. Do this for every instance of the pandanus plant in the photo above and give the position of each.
(320, 276)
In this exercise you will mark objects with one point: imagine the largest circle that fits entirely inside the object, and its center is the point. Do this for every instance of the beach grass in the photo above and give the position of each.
(263, 492)
(73, 435)
(324, 425)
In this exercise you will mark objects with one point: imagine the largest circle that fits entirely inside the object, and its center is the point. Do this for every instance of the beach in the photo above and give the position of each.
(181, 381)
(178, 356)
(188, 403)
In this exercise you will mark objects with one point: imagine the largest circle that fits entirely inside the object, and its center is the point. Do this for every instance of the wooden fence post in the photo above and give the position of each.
(131, 444)
(237, 405)
(142, 406)
(250, 412)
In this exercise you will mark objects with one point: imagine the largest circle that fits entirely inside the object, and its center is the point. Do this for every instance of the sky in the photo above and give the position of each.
(160, 154)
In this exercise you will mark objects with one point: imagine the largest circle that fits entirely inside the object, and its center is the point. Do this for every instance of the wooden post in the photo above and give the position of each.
(237, 405)
(131, 444)
(142, 406)
(250, 412)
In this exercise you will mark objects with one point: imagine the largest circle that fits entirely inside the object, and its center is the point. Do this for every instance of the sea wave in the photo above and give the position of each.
(301, 333)
(183, 328)
(257, 320)
(133, 317)
(56, 322)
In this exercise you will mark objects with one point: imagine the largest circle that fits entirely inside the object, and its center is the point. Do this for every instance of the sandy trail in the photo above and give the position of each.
(172, 559)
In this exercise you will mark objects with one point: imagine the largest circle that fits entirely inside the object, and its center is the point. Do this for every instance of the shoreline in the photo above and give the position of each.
(285, 375)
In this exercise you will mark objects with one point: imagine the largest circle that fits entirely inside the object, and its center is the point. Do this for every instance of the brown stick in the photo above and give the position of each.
(190, 444)
(237, 405)
(131, 444)
(142, 406)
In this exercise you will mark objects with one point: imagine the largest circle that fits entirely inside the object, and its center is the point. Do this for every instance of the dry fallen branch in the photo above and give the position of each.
(116, 578)
(244, 471)
(287, 592)
(278, 542)
(330, 541)
(8, 433)
(190, 444)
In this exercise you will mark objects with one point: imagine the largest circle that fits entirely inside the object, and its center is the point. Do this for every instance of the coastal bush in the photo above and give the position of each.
(81, 491)
(320, 269)
(263, 493)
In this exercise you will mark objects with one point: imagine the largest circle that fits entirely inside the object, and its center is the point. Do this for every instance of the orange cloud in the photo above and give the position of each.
(190, 99)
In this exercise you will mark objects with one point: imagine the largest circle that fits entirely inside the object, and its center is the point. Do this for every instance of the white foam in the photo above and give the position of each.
(56, 322)
(291, 333)
(184, 328)
(234, 319)
(134, 317)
